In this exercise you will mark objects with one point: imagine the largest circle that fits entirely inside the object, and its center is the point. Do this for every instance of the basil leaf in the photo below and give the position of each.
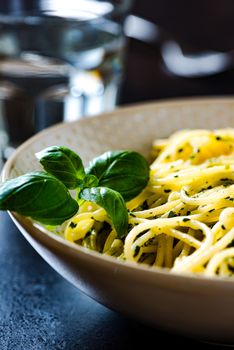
(112, 202)
(126, 172)
(90, 181)
(64, 164)
(40, 196)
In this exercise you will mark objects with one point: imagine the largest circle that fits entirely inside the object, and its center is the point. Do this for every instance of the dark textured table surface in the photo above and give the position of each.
(42, 311)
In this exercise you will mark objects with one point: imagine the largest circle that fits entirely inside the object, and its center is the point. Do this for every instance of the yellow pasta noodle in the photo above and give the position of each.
(184, 219)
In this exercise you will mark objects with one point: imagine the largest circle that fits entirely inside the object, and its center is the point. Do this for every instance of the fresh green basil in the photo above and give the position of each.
(111, 179)
(112, 202)
(126, 172)
(40, 196)
(90, 181)
(64, 164)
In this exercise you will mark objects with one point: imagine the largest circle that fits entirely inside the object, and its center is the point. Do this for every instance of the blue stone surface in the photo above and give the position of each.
(39, 310)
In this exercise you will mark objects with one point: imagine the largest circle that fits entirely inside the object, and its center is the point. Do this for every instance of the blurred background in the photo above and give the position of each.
(186, 50)
(61, 60)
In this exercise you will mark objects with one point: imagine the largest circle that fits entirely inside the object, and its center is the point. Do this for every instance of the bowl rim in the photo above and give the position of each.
(133, 266)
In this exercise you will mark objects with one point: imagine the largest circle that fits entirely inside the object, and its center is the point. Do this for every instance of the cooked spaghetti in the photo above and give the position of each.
(184, 219)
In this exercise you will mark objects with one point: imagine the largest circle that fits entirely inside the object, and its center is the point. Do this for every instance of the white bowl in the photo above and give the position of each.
(199, 307)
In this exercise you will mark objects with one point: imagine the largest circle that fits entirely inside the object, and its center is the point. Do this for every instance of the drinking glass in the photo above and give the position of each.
(59, 61)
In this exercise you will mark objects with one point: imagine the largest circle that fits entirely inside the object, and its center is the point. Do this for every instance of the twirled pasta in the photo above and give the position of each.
(184, 218)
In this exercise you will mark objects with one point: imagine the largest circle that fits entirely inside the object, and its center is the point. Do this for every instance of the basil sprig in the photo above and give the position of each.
(112, 202)
(124, 171)
(40, 196)
(64, 164)
(109, 180)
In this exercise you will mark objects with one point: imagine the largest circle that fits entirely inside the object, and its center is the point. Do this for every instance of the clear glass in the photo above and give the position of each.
(59, 61)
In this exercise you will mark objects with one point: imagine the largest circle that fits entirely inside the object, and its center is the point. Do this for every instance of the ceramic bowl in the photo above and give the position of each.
(198, 307)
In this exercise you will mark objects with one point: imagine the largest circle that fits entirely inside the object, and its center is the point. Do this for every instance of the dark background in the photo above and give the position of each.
(197, 26)
(38, 308)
